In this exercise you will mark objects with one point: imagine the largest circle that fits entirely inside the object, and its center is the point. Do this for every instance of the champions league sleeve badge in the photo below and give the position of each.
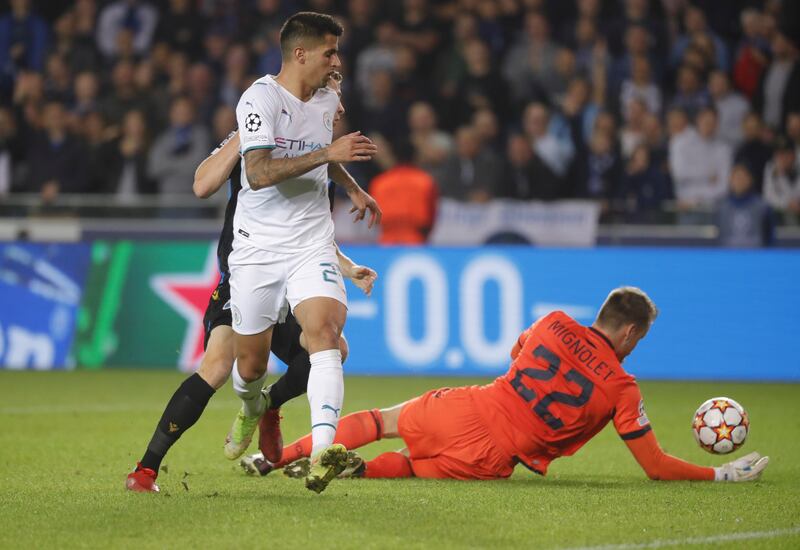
(253, 122)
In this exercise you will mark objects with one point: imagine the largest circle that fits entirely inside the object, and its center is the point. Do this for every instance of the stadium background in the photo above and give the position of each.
(564, 127)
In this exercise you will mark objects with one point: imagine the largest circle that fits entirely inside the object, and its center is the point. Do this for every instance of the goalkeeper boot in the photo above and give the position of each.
(256, 465)
(356, 466)
(241, 434)
(270, 439)
(142, 480)
(325, 466)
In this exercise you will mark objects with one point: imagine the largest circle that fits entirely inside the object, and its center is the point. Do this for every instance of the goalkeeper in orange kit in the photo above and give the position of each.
(565, 383)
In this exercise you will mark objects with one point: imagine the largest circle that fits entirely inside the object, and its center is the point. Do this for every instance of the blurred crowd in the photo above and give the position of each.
(634, 103)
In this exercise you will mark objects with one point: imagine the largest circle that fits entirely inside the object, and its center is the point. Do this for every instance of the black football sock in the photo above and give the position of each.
(293, 383)
(182, 411)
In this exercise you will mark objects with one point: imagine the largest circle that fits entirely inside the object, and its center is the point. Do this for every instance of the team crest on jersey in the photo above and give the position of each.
(327, 120)
(252, 122)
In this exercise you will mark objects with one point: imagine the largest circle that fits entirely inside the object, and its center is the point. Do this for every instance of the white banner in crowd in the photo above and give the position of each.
(560, 223)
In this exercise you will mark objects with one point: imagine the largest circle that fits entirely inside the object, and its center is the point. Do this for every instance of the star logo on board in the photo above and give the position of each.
(187, 293)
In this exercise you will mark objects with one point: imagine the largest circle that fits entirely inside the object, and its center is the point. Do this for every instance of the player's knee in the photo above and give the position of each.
(324, 335)
(251, 363)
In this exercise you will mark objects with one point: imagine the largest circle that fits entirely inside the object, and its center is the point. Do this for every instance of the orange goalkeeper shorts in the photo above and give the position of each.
(446, 438)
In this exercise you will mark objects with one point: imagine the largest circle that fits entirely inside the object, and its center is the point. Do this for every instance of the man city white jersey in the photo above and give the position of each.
(294, 214)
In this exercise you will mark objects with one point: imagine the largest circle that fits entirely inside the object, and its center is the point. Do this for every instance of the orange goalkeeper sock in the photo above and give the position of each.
(354, 431)
(389, 465)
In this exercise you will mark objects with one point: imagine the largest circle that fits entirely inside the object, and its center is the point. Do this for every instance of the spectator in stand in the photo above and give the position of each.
(134, 17)
(782, 178)
(223, 123)
(182, 27)
(360, 33)
(526, 177)
(56, 158)
(451, 66)
(85, 94)
(124, 96)
(178, 151)
(744, 219)
(730, 106)
(77, 48)
(694, 22)
(779, 90)
(531, 60)
(201, 88)
(378, 57)
(481, 87)
(752, 54)
(640, 86)
(633, 132)
(472, 173)
(417, 29)
(638, 43)
(409, 198)
(97, 140)
(237, 69)
(128, 177)
(691, 95)
(487, 125)
(699, 163)
(598, 172)
(555, 152)
(24, 39)
(379, 111)
(645, 186)
(58, 80)
(755, 150)
(432, 145)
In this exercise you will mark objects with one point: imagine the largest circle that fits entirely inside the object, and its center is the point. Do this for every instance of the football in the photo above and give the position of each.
(720, 425)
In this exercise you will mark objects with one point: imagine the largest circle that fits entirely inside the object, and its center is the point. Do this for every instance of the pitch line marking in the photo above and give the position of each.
(751, 535)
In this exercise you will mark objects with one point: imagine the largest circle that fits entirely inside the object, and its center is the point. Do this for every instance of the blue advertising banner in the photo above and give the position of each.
(724, 314)
(40, 291)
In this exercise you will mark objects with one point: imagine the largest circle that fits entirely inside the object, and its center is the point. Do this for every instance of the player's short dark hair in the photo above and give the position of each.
(307, 27)
(626, 305)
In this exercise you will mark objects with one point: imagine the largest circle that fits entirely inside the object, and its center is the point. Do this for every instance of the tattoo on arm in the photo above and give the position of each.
(264, 171)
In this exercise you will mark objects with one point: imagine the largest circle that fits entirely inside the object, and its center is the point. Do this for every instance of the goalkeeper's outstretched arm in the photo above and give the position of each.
(662, 466)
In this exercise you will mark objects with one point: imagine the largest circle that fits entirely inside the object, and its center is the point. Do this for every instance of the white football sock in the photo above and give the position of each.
(249, 392)
(325, 397)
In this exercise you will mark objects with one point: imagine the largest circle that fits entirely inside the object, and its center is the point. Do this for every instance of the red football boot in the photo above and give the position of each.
(142, 480)
(270, 439)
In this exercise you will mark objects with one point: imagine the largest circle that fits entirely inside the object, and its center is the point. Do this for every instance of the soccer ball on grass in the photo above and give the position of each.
(720, 425)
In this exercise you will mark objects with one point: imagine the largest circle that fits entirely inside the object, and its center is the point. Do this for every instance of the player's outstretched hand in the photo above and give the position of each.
(363, 277)
(747, 468)
(363, 202)
(352, 147)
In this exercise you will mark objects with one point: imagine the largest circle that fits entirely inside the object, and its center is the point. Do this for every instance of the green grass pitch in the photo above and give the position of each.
(67, 441)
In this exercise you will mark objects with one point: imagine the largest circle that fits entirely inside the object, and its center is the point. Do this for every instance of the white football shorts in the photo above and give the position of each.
(265, 283)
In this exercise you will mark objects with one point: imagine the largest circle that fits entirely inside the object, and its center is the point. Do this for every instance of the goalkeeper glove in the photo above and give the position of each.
(747, 468)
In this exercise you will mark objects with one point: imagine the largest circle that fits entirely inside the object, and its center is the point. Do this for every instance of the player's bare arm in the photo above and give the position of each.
(264, 171)
(362, 201)
(213, 172)
(361, 276)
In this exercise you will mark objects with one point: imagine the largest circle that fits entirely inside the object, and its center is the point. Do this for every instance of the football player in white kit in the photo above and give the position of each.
(283, 251)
